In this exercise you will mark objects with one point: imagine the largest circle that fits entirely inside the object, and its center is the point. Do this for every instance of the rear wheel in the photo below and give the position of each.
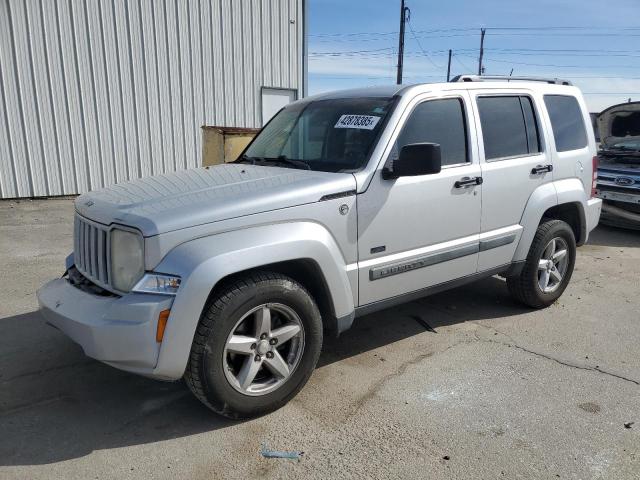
(256, 346)
(548, 267)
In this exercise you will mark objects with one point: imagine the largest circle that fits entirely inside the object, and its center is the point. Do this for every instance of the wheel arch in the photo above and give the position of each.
(571, 213)
(307, 273)
(305, 251)
(563, 200)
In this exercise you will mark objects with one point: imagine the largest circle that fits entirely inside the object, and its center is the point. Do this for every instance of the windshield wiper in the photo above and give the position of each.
(288, 161)
(282, 159)
(245, 158)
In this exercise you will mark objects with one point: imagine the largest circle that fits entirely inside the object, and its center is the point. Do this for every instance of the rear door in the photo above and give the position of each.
(515, 161)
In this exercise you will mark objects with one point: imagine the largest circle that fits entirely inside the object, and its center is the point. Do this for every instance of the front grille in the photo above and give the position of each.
(609, 177)
(91, 251)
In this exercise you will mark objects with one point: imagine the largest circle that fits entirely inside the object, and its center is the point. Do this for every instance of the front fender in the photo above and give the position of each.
(203, 262)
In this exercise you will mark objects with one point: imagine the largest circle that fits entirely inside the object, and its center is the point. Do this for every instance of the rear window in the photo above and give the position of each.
(509, 127)
(566, 122)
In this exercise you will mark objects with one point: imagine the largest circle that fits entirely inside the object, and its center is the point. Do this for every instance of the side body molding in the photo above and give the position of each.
(546, 196)
(205, 261)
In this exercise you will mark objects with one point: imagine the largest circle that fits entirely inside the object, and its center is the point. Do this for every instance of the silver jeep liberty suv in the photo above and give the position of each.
(345, 203)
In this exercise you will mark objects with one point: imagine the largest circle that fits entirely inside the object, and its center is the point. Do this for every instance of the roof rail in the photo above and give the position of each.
(507, 78)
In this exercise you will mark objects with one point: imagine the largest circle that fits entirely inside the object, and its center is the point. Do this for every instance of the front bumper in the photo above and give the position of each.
(120, 331)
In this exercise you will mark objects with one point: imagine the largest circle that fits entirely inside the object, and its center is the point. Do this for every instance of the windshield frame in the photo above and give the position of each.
(393, 103)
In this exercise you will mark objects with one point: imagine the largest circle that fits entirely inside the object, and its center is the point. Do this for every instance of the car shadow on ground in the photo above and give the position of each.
(485, 299)
(56, 404)
(606, 236)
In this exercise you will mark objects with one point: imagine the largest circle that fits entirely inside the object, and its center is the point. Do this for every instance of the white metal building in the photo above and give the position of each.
(94, 92)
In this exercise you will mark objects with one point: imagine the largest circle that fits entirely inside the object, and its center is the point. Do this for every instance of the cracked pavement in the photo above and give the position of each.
(490, 390)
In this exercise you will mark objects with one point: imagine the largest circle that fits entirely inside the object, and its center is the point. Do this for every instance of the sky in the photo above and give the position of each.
(595, 44)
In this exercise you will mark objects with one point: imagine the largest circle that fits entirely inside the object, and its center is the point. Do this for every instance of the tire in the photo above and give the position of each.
(527, 287)
(215, 372)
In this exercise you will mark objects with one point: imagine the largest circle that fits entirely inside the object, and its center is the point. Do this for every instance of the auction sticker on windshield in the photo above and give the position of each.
(366, 122)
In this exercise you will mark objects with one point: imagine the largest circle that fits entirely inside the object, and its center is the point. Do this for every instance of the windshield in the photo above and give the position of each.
(334, 135)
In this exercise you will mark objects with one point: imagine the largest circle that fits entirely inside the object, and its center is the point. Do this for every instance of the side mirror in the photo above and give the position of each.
(415, 159)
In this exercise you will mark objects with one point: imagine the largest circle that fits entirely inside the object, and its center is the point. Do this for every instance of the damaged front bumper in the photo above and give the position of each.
(117, 330)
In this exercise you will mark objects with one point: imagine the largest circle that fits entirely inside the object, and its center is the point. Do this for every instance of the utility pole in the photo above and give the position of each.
(403, 17)
(449, 66)
(482, 31)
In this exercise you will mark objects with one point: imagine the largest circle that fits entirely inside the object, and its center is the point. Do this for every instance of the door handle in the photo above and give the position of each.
(538, 169)
(466, 182)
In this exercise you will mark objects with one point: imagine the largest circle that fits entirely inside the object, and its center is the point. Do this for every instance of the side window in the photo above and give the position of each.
(509, 126)
(566, 122)
(438, 121)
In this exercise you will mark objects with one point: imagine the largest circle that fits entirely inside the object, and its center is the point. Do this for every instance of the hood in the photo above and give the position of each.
(620, 123)
(163, 203)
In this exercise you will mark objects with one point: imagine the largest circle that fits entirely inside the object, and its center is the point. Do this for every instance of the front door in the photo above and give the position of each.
(417, 232)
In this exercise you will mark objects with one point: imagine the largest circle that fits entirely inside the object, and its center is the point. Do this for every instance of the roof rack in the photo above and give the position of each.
(506, 78)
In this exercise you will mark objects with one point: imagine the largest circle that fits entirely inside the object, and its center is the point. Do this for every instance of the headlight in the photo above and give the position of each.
(127, 259)
(158, 283)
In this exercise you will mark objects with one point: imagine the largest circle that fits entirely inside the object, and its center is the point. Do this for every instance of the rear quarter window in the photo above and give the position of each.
(566, 122)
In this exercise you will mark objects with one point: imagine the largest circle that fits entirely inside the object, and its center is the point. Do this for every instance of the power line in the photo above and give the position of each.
(514, 52)
(351, 34)
(420, 46)
(375, 77)
(351, 51)
(457, 59)
(567, 54)
(389, 53)
(476, 29)
(555, 65)
(567, 34)
(605, 77)
(501, 51)
(569, 27)
(567, 50)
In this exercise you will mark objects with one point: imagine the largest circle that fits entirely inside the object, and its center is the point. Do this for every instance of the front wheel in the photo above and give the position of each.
(548, 267)
(256, 346)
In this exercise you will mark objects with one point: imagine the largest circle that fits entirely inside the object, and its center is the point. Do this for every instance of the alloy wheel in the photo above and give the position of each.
(263, 349)
(552, 265)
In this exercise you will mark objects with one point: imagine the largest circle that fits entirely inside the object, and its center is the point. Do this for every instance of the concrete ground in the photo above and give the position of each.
(494, 391)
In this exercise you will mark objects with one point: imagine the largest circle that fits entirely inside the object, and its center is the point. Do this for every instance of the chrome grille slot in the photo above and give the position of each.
(91, 251)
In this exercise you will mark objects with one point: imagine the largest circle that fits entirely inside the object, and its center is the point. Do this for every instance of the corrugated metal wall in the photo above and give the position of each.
(101, 91)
